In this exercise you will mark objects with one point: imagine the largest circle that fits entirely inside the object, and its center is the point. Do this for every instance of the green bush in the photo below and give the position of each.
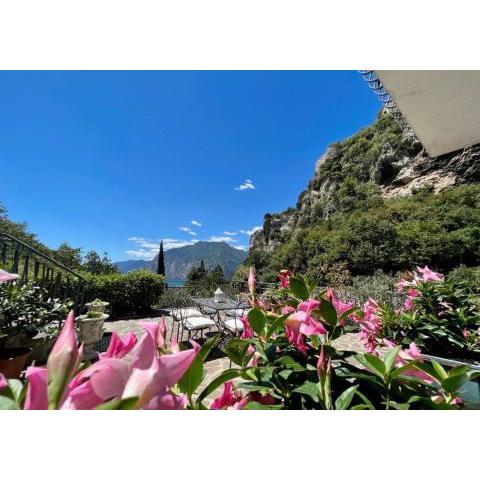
(129, 293)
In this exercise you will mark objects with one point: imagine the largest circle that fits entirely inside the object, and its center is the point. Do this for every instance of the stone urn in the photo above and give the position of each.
(97, 306)
(218, 296)
(91, 331)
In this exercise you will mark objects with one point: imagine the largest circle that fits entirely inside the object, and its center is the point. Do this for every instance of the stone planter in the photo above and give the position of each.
(97, 306)
(91, 329)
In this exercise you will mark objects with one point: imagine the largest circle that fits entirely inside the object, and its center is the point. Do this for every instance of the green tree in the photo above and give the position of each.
(69, 256)
(161, 261)
(97, 265)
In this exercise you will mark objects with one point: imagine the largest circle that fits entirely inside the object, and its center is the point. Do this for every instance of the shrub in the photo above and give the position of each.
(26, 311)
(129, 293)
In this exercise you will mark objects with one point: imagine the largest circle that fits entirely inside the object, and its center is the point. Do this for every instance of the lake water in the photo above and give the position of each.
(175, 282)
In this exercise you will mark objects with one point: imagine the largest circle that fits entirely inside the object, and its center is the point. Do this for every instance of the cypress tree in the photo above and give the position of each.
(161, 261)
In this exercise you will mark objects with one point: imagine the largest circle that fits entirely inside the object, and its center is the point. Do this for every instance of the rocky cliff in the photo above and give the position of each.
(377, 160)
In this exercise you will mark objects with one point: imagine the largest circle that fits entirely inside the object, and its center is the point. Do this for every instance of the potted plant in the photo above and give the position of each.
(27, 322)
(91, 325)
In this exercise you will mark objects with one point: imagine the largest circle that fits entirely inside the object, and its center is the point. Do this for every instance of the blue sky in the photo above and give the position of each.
(116, 161)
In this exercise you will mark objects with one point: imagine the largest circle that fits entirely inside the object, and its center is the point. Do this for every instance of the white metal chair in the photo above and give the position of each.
(192, 320)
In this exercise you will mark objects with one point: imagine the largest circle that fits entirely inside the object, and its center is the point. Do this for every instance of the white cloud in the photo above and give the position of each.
(191, 232)
(147, 248)
(246, 185)
(185, 229)
(222, 239)
(140, 254)
(229, 233)
(240, 247)
(252, 231)
(196, 223)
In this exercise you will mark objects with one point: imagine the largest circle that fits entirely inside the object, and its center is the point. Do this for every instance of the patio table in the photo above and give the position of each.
(226, 304)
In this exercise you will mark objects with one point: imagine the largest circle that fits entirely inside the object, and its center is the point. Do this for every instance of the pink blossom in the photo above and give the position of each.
(247, 329)
(370, 326)
(119, 347)
(339, 306)
(284, 278)
(429, 275)
(6, 276)
(157, 331)
(308, 306)
(297, 339)
(287, 309)
(466, 333)
(229, 399)
(404, 283)
(3, 381)
(36, 396)
(62, 361)
(251, 281)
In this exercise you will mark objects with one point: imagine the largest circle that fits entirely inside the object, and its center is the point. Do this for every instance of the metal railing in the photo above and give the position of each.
(32, 265)
(371, 77)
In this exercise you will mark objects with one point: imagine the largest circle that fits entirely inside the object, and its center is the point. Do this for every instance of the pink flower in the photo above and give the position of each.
(287, 309)
(308, 306)
(229, 399)
(284, 278)
(119, 347)
(36, 396)
(152, 384)
(297, 339)
(102, 381)
(62, 361)
(404, 283)
(370, 326)
(7, 277)
(3, 381)
(428, 275)
(251, 281)
(339, 306)
(247, 329)
(157, 331)
(466, 333)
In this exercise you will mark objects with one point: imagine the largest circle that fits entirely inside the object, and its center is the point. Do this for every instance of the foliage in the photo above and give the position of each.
(26, 310)
(201, 279)
(69, 256)
(441, 316)
(392, 235)
(97, 265)
(286, 359)
(161, 261)
(129, 293)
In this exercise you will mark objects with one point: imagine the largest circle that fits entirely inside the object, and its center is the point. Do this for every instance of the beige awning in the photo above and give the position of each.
(442, 107)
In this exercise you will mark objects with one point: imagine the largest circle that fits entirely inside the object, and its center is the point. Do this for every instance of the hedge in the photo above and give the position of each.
(128, 293)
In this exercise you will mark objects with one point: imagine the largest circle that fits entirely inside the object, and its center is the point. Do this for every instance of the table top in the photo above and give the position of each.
(227, 304)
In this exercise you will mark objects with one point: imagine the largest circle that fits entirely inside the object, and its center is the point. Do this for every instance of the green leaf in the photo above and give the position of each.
(236, 350)
(277, 324)
(207, 347)
(290, 363)
(17, 389)
(257, 320)
(261, 406)
(298, 288)
(310, 389)
(345, 399)
(119, 404)
(441, 373)
(7, 403)
(192, 378)
(328, 312)
(390, 357)
(219, 381)
(372, 362)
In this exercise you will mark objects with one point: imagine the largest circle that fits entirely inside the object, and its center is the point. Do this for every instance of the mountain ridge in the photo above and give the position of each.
(178, 261)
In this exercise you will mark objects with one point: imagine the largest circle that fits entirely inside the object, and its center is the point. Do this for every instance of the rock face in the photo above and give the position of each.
(379, 157)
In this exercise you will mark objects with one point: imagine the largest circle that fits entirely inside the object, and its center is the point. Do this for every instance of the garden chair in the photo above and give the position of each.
(192, 320)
